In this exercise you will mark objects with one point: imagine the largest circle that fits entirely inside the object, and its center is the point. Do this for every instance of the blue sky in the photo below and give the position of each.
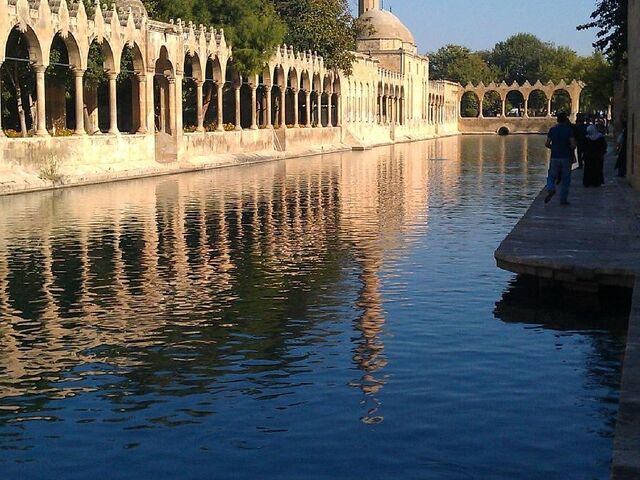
(480, 24)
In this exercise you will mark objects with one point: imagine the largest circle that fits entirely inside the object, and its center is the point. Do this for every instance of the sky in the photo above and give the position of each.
(480, 24)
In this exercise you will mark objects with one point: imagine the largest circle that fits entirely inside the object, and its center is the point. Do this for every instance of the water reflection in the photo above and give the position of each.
(312, 316)
(198, 275)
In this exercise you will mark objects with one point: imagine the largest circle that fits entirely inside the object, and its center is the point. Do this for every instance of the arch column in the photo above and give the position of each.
(283, 109)
(113, 109)
(267, 116)
(329, 115)
(526, 105)
(1, 130)
(338, 110)
(296, 115)
(238, 121)
(142, 96)
(199, 115)
(254, 110)
(319, 109)
(78, 75)
(172, 105)
(380, 100)
(503, 108)
(549, 97)
(481, 101)
(220, 126)
(307, 98)
(41, 127)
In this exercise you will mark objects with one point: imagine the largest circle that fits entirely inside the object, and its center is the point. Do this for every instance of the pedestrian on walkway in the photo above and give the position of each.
(562, 143)
(595, 146)
(580, 134)
(621, 161)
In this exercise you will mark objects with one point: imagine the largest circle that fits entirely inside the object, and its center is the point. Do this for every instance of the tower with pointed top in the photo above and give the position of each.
(366, 5)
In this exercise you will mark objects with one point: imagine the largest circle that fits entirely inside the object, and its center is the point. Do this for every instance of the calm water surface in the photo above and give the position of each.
(328, 317)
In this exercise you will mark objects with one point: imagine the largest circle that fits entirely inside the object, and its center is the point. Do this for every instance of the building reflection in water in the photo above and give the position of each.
(171, 283)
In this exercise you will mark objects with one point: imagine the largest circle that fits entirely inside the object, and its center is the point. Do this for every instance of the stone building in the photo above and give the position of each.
(173, 101)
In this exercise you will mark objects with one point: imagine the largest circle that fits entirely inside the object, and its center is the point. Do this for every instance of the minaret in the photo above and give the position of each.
(366, 5)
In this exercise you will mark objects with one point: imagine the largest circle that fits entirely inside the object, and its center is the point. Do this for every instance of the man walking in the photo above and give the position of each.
(562, 142)
(580, 134)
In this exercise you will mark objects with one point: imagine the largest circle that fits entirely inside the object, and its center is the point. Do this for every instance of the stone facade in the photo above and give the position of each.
(633, 123)
(387, 98)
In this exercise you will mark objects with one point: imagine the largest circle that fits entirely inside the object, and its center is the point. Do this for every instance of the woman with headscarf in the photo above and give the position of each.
(595, 146)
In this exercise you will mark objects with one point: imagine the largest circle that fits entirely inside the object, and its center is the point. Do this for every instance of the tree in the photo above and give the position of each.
(459, 64)
(610, 18)
(597, 73)
(252, 27)
(520, 57)
(323, 26)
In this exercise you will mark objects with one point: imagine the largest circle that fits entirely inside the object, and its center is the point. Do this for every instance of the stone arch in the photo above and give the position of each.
(561, 101)
(292, 97)
(190, 81)
(96, 89)
(22, 51)
(164, 93)
(231, 98)
(278, 96)
(316, 99)
(403, 113)
(129, 90)
(305, 100)
(36, 54)
(492, 104)
(61, 87)
(469, 105)
(212, 89)
(326, 101)
(514, 103)
(538, 103)
(335, 104)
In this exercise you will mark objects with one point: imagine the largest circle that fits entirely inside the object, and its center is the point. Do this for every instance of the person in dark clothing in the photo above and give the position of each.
(621, 161)
(561, 141)
(595, 146)
(580, 134)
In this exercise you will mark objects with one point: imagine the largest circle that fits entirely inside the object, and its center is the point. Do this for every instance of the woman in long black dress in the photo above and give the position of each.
(595, 146)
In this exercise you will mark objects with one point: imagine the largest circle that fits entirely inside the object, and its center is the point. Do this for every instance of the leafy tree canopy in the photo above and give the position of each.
(253, 27)
(323, 26)
(459, 64)
(610, 18)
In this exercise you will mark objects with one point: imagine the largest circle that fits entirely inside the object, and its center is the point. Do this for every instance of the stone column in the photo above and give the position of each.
(526, 107)
(481, 115)
(254, 112)
(1, 130)
(236, 91)
(338, 111)
(329, 110)
(267, 117)
(199, 115)
(219, 93)
(296, 113)
(549, 106)
(113, 109)
(283, 107)
(504, 107)
(380, 100)
(41, 128)
(319, 109)
(308, 105)
(142, 99)
(79, 100)
(172, 105)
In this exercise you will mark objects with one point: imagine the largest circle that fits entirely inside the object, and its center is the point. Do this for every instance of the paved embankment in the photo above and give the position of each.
(594, 241)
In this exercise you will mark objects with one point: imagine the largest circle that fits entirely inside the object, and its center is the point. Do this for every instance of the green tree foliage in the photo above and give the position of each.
(520, 57)
(323, 26)
(610, 18)
(459, 64)
(252, 27)
(597, 73)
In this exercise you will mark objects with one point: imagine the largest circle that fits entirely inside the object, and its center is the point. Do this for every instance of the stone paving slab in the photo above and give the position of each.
(594, 241)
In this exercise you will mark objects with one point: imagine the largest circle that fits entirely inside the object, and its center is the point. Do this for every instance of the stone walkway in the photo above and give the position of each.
(594, 241)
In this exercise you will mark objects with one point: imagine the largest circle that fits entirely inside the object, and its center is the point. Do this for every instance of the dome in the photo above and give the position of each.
(385, 25)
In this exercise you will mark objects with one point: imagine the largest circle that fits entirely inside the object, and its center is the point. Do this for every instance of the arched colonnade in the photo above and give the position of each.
(156, 61)
(548, 90)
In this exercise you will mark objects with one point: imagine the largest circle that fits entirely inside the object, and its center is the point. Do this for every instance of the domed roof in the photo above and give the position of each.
(385, 25)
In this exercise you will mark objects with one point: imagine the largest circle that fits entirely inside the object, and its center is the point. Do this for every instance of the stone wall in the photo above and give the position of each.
(513, 125)
(633, 138)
